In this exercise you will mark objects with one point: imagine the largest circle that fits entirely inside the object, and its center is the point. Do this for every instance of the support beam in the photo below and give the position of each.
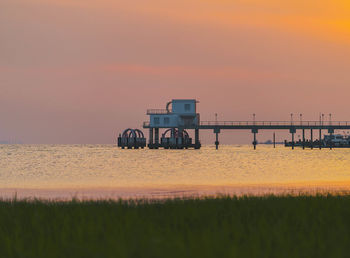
(150, 143)
(156, 137)
(254, 131)
(180, 139)
(312, 139)
(320, 139)
(293, 131)
(217, 131)
(254, 142)
(196, 139)
(303, 139)
(274, 140)
(330, 131)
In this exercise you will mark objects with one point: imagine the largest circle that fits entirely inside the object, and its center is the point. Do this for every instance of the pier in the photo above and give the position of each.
(255, 127)
(180, 116)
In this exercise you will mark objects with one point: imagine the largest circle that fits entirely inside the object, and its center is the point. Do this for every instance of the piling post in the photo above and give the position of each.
(303, 139)
(156, 137)
(150, 143)
(217, 131)
(331, 143)
(312, 140)
(254, 142)
(320, 141)
(196, 138)
(330, 131)
(180, 143)
(274, 140)
(292, 131)
(254, 131)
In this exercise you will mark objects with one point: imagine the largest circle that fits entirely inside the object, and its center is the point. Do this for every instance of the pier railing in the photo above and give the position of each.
(276, 123)
(157, 111)
(269, 123)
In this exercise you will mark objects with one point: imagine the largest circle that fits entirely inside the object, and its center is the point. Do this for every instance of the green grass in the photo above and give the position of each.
(302, 226)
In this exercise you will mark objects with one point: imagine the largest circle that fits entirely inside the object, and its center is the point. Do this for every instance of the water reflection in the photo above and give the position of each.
(107, 167)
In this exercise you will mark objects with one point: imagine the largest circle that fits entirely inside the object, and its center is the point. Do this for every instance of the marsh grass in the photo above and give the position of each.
(269, 226)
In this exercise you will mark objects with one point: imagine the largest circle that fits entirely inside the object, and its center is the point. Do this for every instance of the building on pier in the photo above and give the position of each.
(179, 115)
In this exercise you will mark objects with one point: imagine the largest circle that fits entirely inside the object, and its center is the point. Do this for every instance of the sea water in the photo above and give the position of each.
(105, 171)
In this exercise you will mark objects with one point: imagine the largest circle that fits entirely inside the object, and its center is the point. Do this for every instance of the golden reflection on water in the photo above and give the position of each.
(106, 166)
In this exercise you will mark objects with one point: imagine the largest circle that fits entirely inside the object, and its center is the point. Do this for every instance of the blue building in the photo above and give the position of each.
(179, 115)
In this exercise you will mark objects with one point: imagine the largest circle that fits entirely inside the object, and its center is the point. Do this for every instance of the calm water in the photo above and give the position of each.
(106, 171)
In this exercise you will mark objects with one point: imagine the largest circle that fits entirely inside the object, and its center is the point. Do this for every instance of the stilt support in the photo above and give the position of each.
(196, 139)
(150, 143)
(292, 131)
(254, 131)
(331, 132)
(156, 138)
(312, 139)
(303, 139)
(217, 131)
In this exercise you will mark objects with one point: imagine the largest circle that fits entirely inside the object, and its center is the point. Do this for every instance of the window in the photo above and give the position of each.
(156, 120)
(187, 107)
(166, 120)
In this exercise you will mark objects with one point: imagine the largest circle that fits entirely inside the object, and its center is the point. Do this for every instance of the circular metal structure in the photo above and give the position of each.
(129, 133)
(132, 138)
(175, 132)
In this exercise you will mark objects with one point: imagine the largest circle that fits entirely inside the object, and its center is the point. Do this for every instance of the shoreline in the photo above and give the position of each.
(175, 191)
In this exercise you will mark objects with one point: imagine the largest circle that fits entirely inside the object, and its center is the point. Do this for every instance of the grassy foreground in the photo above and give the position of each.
(302, 226)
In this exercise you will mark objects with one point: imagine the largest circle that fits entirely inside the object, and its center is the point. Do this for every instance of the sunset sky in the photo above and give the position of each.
(81, 71)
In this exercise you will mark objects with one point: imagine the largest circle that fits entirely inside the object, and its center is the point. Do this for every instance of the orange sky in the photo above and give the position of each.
(80, 71)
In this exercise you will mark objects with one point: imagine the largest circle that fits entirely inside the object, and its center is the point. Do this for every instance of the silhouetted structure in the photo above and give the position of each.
(132, 138)
(180, 116)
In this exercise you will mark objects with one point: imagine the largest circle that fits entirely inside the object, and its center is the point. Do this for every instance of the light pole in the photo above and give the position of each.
(330, 119)
(291, 118)
(301, 119)
(254, 119)
(216, 119)
(322, 119)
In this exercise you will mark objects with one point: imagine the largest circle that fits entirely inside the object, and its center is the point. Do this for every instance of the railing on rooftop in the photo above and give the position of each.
(157, 111)
(276, 123)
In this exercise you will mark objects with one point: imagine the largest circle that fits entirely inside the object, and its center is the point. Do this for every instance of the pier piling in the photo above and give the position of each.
(312, 140)
(254, 131)
(292, 131)
(330, 131)
(303, 139)
(150, 143)
(217, 131)
(196, 139)
(156, 137)
(320, 139)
